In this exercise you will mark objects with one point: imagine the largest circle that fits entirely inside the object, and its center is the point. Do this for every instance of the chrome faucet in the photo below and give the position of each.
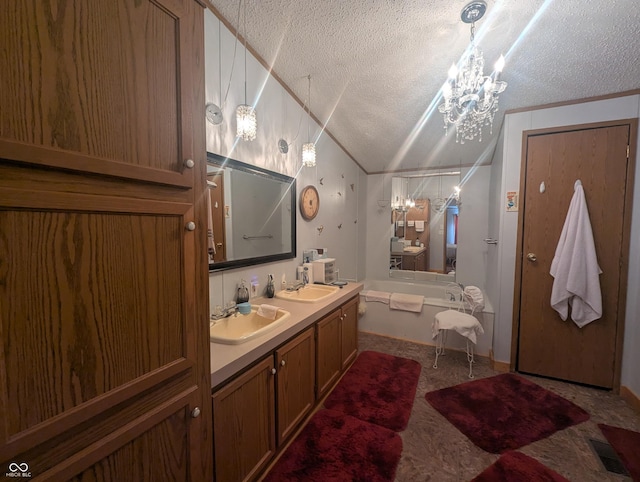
(452, 297)
(296, 286)
(219, 312)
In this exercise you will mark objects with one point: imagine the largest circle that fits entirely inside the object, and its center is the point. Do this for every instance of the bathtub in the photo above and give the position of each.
(376, 317)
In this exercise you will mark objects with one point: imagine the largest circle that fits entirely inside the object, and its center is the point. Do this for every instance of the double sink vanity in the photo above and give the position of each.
(269, 375)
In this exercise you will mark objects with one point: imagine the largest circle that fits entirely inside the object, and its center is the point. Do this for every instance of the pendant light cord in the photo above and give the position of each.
(309, 110)
(233, 62)
(245, 50)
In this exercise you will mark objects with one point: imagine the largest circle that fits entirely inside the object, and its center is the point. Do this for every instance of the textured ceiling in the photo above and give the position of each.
(377, 65)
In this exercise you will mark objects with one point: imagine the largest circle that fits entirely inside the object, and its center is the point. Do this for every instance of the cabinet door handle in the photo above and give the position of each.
(195, 413)
(283, 363)
(273, 371)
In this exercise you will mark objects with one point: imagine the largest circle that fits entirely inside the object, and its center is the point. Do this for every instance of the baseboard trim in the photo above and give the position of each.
(631, 398)
(499, 366)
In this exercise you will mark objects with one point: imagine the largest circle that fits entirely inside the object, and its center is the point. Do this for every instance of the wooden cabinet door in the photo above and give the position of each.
(244, 424)
(349, 333)
(104, 356)
(296, 365)
(328, 352)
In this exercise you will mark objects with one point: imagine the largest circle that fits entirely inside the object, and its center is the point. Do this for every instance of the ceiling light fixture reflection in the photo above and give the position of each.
(470, 97)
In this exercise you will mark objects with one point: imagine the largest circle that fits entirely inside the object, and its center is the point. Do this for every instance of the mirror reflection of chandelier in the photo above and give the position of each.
(470, 97)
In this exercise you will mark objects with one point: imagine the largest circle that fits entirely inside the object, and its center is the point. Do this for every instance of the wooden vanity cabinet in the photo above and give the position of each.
(329, 352)
(295, 381)
(336, 345)
(278, 389)
(349, 333)
(244, 423)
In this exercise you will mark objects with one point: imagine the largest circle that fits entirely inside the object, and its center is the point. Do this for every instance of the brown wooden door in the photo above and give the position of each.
(349, 332)
(328, 352)
(597, 156)
(244, 424)
(104, 355)
(296, 364)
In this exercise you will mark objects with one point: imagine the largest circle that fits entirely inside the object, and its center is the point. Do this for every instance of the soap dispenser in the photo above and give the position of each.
(271, 290)
(243, 293)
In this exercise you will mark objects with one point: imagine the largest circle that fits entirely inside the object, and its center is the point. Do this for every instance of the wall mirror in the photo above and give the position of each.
(425, 210)
(252, 214)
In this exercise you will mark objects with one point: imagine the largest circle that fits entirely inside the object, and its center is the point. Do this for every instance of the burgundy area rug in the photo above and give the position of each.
(505, 412)
(336, 447)
(378, 388)
(518, 467)
(626, 443)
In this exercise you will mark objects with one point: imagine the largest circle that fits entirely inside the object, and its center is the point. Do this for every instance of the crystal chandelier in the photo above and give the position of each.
(470, 97)
(246, 120)
(309, 148)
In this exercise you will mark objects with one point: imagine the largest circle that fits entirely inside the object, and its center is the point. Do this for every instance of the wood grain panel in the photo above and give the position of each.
(295, 382)
(547, 345)
(88, 302)
(92, 81)
(244, 424)
(349, 333)
(328, 353)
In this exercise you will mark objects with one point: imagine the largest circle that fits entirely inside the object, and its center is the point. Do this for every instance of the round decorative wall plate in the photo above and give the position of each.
(309, 202)
(214, 114)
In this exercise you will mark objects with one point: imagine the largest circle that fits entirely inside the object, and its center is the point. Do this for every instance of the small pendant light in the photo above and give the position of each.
(309, 148)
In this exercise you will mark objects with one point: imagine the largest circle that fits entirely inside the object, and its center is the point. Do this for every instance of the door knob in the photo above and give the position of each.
(283, 363)
(195, 413)
(532, 257)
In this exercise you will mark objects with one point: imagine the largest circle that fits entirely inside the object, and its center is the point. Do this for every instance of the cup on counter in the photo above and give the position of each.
(244, 308)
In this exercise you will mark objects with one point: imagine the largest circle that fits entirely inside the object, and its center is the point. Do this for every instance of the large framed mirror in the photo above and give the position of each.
(252, 214)
(425, 217)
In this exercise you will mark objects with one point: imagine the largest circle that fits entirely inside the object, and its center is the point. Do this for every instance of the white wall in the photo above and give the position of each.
(502, 286)
(472, 228)
(280, 116)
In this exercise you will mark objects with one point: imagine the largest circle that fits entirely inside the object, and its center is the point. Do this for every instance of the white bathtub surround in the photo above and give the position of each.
(417, 327)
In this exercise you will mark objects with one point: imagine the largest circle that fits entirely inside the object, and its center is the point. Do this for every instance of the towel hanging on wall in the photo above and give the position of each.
(575, 266)
(419, 226)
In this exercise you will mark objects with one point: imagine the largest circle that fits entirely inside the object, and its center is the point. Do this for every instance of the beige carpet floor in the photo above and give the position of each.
(434, 450)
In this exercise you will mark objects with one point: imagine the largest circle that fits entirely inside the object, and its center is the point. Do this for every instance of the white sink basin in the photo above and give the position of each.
(237, 329)
(412, 249)
(308, 294)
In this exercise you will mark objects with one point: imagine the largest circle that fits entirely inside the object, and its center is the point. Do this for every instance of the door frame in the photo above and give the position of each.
(626, 236)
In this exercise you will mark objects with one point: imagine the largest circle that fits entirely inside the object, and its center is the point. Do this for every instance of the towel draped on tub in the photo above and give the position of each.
(401, 301)
(381, 296)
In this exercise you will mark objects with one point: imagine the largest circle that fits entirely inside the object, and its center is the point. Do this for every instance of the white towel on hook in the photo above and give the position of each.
(419, 226)
(575, 266)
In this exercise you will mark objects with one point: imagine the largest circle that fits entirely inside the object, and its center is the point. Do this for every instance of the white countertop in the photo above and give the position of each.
(227, 360)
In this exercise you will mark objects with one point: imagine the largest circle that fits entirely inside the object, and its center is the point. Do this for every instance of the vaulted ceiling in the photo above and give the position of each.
(377, 66)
